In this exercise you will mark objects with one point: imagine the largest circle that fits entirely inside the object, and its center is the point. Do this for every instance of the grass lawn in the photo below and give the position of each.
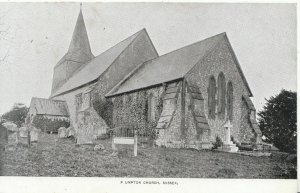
(61, 157)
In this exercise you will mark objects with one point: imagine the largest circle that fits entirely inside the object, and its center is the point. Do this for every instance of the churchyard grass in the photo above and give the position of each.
(61, 157)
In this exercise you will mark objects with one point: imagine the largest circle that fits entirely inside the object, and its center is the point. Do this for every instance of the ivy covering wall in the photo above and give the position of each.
(133, 109)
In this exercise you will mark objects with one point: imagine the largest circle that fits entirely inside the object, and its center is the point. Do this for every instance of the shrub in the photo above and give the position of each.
(217, 143)
(278, 121)
(47, 125)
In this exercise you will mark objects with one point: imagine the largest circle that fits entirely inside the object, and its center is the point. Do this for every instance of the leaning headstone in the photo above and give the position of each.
(62, 132)
(3, 136)
(34, 134)
(23, 132)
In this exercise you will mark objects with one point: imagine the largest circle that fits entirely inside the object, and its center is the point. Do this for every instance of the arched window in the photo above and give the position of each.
(221, 95)
(229, 100)
(211, 97)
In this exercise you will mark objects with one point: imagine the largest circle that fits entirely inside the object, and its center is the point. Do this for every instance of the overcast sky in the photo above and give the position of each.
(263, 37)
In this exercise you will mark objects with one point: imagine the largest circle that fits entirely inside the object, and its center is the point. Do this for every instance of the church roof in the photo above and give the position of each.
(171, 66)
(79, 49)
(166, 68)
(48, 107)
(94, 68)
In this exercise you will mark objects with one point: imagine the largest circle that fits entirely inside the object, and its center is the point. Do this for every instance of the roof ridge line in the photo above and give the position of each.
(56, 100)
(192, 44)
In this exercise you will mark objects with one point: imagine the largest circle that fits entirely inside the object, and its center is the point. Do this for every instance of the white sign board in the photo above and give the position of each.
(124, 140)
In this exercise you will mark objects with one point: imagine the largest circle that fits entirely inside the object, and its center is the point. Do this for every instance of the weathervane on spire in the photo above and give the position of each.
(80, 6)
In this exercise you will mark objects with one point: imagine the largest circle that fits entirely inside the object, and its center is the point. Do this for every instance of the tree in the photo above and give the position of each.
(17, 114)
(278, 121)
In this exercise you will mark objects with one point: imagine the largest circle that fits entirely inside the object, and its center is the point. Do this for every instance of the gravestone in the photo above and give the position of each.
(23, 132)
(34, 134)
(62, 132)
(15, 136)
(3, 136)
(228, 145)
(70, 132)
(10, 126)
(85, 134)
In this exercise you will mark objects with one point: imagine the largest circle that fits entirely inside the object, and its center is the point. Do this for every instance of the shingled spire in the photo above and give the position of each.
(79, 48)
(78, 54)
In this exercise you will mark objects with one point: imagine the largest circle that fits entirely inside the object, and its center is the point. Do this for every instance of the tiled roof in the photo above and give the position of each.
(48, 107)
(168, 67)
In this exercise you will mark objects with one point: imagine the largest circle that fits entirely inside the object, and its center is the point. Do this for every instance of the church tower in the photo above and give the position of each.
(79, 53)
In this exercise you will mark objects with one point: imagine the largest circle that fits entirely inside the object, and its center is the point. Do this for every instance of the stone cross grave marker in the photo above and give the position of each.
(228, 127)
(228, 145)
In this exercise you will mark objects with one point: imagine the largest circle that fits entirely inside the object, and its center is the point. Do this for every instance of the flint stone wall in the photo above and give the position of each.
(221, 60)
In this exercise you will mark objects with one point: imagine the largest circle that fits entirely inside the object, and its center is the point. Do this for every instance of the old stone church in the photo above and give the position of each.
(186, 95)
